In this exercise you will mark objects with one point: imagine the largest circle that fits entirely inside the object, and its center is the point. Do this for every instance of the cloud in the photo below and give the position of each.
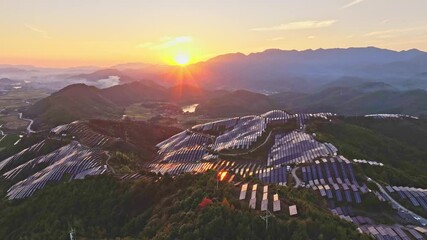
(38, 30)
(300, 25)
(385, 21)
(390, 32)
(101, 83)
(277, 39)
(351, 4)
(312, 37)
(166, 42)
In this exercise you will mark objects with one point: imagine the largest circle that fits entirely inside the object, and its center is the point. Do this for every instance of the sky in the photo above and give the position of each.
(64, 33)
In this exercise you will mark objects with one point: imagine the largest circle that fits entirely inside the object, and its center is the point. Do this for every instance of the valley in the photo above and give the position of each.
(287, 154)
(345, 160)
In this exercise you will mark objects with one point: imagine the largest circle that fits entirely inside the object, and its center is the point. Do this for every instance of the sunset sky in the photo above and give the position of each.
(105, 32)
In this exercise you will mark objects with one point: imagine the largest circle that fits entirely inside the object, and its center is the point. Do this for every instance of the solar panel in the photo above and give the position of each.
(264, 204)
(293, 210)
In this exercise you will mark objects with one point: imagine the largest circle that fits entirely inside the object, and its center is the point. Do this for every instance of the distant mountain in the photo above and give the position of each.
(361, 84)
(304, 71)
(134, 92)
(14, 70)
(104, 74)
(352, 101)
(271, 70)
(419, 81)
(7, 82)
(289, 70)
(72, 103)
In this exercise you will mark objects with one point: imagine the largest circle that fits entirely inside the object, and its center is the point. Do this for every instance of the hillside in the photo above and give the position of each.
(6, 81)
(361, 84)
(137, 137)
(72, 103)
(399, 143)
(141, 209)
(80, 101)
(269, 153)
(104, 74)
(238, 103)
(134, 92)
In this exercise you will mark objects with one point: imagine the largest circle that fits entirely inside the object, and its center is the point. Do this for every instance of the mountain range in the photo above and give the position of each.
(283, 70)
(350, 81)
(272, 70)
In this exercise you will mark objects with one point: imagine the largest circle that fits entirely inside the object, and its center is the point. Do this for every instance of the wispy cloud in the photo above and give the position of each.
(166, 42)
(351, 4)
(300, 25)
(390, 32)
(312, 37)
(277, 39)
(385, 21)
(37, 30)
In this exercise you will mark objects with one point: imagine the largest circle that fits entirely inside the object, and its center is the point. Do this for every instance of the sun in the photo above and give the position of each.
(182, 59)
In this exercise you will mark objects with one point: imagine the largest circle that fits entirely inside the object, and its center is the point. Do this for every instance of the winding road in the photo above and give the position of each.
(422, 221)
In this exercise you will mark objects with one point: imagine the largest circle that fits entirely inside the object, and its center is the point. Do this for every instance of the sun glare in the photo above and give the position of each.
(182, 59)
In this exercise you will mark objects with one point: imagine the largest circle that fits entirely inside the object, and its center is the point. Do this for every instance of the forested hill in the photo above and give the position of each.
(162, 208)
(398, 143)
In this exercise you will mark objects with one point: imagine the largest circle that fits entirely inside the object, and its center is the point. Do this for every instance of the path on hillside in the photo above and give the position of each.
(107, 162)
(416, 217)
(296, 178)
(2, 133)
(31, 121)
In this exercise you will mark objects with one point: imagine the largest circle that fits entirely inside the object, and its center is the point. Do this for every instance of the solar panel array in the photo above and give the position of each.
(334, 178)
(397, 232)
(368, 226)
(416, 196)
(195, 150)
(389, 116)
(246, 132)
(248, 191)
(18, 158)
(180, 168)
(297, 147)
(220, 125)
(276, 115)
(346, 213)
(303, 117)
(72, 159)
(183, 147)
(276, 175)
(372, 163)
(83, 133)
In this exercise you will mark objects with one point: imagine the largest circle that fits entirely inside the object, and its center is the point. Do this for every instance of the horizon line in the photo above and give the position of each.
(111, 66)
